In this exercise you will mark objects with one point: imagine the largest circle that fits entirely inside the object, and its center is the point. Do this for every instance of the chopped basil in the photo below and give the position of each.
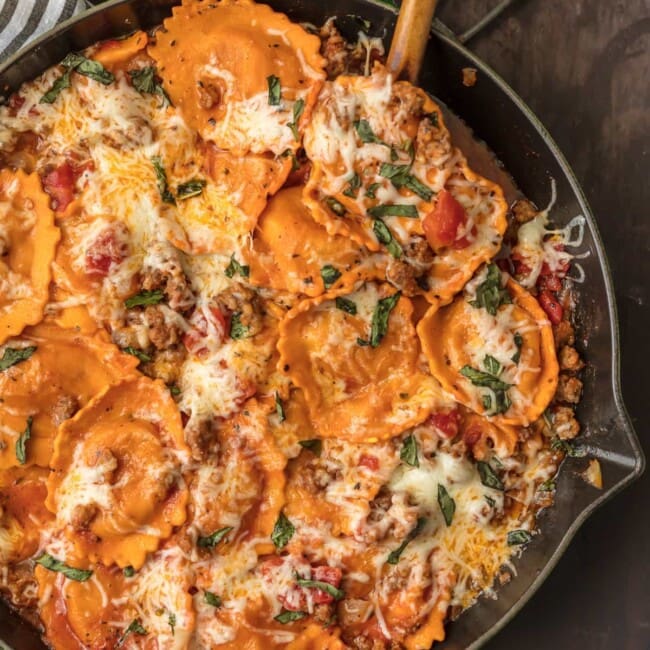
(212, 599)
(190, 188)
(365, 133)
(295, 165)
(161, 175)
(287, 616)
(489, 294)
(330, 275)
(490, 500)
(488, 476)
(547, 486)
(210, 541)
(335, 206)
(21, 443)
(274, 90)
(236, 267)
(353, 185)
(52, 564)
(394, 210)
(333, 591)
(174, 390)
(346, 305)
(171, 620)
(446, 503)
(567, 448)
(394, 556)
(409, 451)
(142, 356)
(492, 365)
(279, 408)
(282, 531)
(298, 108)
(237, 329)
(519, 341)
(393, 154)
(144, 299)
(518, 537)
(12, 356)
(488, 380)
(135, 627)
(128, 571)
(314, 445)
(371, 189)
(144, 81)
(400, 176)
(379, 325)
(61, 83)
(384, 236)
(92, 69)
(487, 402)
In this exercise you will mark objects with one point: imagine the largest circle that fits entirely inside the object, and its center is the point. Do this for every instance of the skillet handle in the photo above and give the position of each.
(410, 38)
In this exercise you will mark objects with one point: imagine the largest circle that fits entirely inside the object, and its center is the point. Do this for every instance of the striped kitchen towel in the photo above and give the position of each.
(23, 20)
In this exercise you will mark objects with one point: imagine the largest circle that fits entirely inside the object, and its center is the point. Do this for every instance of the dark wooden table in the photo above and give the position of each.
(583, 66)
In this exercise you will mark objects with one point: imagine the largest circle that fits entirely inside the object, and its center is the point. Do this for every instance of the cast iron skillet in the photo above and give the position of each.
(521, 143)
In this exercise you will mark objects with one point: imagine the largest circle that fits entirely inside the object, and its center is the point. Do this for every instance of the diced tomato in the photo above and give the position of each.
(206, 322)
(442, 223)
(519, 266)
(329, 574)
(107, 251)
(549, 283)
(472, 434)
(59, 184)
(371, 462)
(447, 423)
(551, 306)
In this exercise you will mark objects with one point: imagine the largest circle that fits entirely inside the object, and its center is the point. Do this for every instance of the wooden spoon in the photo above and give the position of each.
(410, 38)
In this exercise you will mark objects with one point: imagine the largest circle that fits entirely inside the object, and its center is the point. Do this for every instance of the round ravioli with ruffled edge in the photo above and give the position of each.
(242, 75)
(493, 349)
(28, 239)
(292, 252)
(116, 485)
(48, 374)
(244, 492)
(357, 359)
(385, 174)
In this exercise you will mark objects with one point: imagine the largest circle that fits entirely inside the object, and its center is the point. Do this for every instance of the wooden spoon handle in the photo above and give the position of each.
(410, 38)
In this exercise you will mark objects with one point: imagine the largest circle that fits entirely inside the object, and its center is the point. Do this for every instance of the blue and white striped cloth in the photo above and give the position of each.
(23, 20)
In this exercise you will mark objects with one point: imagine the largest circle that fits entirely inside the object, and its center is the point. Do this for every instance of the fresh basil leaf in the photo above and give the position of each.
(314, 445)
(366, 134)
(212, 599)
(371, 189)
(353, 185)
(335, 206)
(394, 210)
(346, 305)
(484, 379)
(93, 70)
(409, 451)
(171, 621)
(144, 299)
(21, 443)
(12, 356)
(446, 503)
(488, 476)
(384, 236)
(279, 408)
(298, 108)
(144, 81)
(333, 591)
(287, 616)
(518, 537)
(61, 83)
(237, 329)
(380, 317)
(490, 500)
(128, 571)
(487, 402)
(547, 486)
(52, 564)
(282, 531)
(190, 188)
(489, 294)
(492, 365)
(330, 275)
(174, 390)
(400, 176)
(143, 356)
(519, 341)
(295, 165)
(567, 448)
(275, 91)
(210, 541)
(135, 627)
(394, 556)
(161, 175)
(236, 267)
